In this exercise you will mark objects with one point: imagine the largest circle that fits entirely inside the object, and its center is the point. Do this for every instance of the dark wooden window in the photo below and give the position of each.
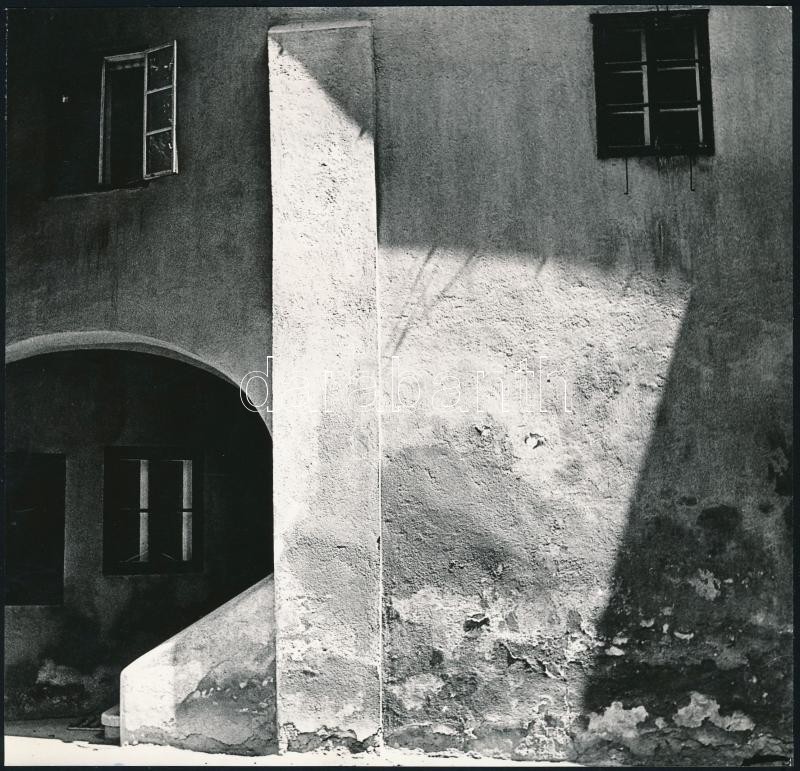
(113, 119)
(153, 511)
(34, 529)
(138, 116)
(653, 83)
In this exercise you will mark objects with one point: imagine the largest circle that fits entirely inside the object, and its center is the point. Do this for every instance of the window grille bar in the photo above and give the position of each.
(656, 61)
(676, 67)
(697, 86)
(187, 485)
(144, 536)
(645, 88)
(144, 516)
(101, 149)
(186, 516)
(144, 120)
(174, 106)
(144, 484)
(186, 536)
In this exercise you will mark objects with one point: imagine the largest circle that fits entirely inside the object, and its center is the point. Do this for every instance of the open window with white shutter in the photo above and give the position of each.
(138, 116)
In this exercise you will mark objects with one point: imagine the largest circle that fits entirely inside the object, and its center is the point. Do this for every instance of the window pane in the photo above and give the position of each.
(166, 542)
(625, 130)
(123, 125)
(166, 485)
(674, 42)
(624, 87)
(159, 152)
(159, 110)
(678, 128)
(622, 45)
(677, 86)
(159, 68)
(34, 529)
(123, 484)
(124, 537)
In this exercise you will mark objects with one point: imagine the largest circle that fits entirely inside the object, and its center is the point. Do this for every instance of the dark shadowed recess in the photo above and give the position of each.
(64, 650)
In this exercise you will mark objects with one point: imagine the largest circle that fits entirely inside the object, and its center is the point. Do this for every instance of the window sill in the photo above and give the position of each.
(650, 152)
(99, 191)
(155, 572)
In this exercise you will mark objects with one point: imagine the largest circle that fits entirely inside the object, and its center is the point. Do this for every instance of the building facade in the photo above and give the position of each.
(514, 318)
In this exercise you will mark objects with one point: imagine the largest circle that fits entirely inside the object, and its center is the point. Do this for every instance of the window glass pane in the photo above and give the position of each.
(123, 125)
(166, 526)
(123, 487)
(34, 529)
(625, 130)
(159, 68)
(159, 110)
(674, 42)
(677, 86)
(124, 540)
(624, 87)
(159, 152)
(678, 128)
(166, 485)
(622, 45)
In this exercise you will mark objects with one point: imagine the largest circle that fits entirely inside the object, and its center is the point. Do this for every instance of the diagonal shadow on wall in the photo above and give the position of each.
(698, 625)
(694, 646)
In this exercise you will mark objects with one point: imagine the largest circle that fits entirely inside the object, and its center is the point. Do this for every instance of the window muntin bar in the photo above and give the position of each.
(673, 63)
(144, 511)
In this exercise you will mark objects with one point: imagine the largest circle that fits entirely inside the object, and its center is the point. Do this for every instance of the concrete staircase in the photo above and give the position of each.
(211, 687)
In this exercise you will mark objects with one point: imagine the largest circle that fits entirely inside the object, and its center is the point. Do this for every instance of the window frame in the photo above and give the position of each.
(647, 22)
(58, 464)
(112, 567)
(144, 56)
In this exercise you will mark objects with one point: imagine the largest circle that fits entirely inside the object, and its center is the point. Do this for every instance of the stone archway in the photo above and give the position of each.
(100, 405)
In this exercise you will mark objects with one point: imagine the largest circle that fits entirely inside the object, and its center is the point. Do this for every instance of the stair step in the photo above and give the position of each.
(110, 721)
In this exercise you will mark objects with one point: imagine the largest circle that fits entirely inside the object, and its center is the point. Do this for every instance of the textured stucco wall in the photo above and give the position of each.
(327, 495)
(611, 583)
(610, 580)
(185, 259)
(211, 687)
(606, 577)
(65, 659)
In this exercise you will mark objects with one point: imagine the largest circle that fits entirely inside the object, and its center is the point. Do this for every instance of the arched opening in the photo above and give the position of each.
(139, 498)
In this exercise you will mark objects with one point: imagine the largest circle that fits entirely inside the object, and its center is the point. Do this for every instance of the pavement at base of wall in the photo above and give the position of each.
(49, 743)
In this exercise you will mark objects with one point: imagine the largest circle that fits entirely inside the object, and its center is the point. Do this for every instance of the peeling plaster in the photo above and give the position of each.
(616, 722)
(702, 707)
